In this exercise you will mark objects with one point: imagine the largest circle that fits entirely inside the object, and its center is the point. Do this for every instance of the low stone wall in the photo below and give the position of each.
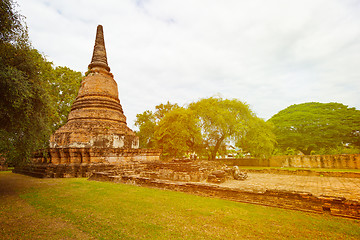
(284, 199)
(183, 170)
(250, 162)
(94, 155)
(341, 161)
(48, 170)
(304, 172)
(178, 170)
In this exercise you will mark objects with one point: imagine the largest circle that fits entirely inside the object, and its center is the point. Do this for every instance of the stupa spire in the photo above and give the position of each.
(99, 58)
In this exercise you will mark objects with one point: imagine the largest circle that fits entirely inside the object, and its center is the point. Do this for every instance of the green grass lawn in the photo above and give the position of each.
(102, 210)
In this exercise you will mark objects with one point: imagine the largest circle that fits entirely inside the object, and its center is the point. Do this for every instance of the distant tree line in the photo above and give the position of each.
(35, 96)
(207, 127)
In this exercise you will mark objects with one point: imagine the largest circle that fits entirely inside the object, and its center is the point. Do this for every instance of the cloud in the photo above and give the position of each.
(270, 54)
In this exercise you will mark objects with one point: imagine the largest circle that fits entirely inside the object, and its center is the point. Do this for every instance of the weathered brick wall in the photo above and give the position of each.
(46, 170)
(255, 162)
(94, 155)
(341, 161)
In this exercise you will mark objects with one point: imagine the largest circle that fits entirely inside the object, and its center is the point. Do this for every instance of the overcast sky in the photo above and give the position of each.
(268, 53)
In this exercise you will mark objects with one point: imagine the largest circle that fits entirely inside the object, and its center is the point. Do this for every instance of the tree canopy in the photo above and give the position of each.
(147, 122)
(220, 120)
(259, 138)
(65, 84)
(30, 88)
(313, 127)
(177, 133)
(204, 127)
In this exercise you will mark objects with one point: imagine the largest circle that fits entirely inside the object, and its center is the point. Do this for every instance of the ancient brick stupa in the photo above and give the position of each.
(96, 118)
(96, 132)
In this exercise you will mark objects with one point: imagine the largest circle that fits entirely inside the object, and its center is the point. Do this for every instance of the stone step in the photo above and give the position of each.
(39, 173)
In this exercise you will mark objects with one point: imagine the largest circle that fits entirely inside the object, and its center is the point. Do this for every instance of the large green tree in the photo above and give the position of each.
(205, 127)
(259, 138)
(12, 26)
(314, 126)
(29, 104)
(64, 87)
(177, 133)
(24, 103)
(147, 122)
(230, 120)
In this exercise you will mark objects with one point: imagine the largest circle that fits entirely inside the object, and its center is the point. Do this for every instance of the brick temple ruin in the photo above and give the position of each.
(96, 130)
(96, 139)
(97, 143)
(96, 135)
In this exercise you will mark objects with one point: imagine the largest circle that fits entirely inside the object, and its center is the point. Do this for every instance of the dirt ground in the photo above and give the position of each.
(316, 185)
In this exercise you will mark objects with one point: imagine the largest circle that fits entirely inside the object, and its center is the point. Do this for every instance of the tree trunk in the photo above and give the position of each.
(307, 151)
(216, 148)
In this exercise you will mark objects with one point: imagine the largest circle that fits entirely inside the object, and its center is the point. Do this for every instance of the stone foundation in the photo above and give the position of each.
(94, 155)
(81, 162)
(48, 170)
(176, 170)
(183, 170)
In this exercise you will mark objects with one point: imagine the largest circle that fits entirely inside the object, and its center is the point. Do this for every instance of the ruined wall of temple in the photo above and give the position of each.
(341, 161)
(94, 155)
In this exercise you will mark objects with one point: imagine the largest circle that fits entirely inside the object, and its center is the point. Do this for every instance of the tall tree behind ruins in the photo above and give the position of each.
(317, 128)
(205, 127)
(35, 96)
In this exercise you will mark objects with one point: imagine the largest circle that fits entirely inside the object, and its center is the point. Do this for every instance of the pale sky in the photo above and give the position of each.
(268, 53)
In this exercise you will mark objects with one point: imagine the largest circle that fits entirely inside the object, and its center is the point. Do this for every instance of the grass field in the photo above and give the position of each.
(80, 209)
